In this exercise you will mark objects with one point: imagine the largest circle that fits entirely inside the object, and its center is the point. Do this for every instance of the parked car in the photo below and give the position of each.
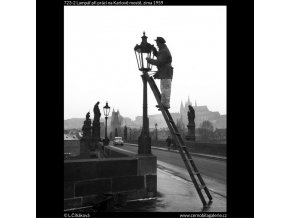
(67, 155)
(118, 141)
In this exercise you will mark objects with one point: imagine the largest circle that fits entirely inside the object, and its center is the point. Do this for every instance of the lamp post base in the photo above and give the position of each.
(144, 145)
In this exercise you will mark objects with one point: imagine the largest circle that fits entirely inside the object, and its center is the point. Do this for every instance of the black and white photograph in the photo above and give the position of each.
(145, 108)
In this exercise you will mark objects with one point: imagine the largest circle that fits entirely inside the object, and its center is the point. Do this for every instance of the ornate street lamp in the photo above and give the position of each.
(143, 51)
(106, 109)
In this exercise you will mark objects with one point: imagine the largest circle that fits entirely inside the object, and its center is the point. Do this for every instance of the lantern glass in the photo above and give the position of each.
(106, 109)
(143, 65)
(142, 52)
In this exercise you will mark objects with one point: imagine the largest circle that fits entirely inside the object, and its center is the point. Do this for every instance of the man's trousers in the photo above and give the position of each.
(165, 86)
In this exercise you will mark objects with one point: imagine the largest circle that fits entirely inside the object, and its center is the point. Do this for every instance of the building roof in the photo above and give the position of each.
(200, 108)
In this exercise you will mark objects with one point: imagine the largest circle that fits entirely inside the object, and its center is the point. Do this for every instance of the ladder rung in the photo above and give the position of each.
(202, 186)
(196, 173)
(177, 133)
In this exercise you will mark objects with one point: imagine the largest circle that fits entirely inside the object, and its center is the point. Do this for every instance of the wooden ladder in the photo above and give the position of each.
(186, 157)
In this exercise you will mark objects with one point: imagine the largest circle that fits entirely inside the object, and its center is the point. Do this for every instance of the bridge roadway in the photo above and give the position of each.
(215, 169)
(212, 170)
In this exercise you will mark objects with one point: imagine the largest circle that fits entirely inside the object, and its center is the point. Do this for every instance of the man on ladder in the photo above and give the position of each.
(165, 73)
(165, 70)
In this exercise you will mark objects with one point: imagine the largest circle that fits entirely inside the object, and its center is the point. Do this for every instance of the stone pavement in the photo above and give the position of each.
(213, 185)
(175, 194)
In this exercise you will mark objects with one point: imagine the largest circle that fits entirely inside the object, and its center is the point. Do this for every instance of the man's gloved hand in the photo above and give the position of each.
(148, 60)
(154, 50)
(156, 76)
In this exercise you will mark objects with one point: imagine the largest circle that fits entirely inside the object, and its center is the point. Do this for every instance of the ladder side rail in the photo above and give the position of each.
(183, 144)
(173, 130)
(171, 127)
(186, 162)
(195, 169)
(185, 147)
(167, 116)
(201, 180)
(179, 140)
(151, 80)
(165, 113)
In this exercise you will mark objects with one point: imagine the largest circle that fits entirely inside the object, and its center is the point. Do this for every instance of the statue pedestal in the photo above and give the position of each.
(86, 141)
(191, 132)
(95, 136)
(85, 148)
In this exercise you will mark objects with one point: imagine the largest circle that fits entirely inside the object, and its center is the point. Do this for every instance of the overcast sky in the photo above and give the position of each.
(100, 64)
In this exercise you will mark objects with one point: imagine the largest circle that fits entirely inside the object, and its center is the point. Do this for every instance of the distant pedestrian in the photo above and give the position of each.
(174, 145)
(168, 142)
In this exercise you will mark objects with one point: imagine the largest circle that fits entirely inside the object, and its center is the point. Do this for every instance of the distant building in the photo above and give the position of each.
(181, 126)
(116, 122)
(202, 113)
(156, 118)
(221, 123)
(220, 135)
(180, 118)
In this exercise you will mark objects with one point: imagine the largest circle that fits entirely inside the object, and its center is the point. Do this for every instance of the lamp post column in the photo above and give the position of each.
(106, 128)
(156, 136)
(106, 112)
(144, 140)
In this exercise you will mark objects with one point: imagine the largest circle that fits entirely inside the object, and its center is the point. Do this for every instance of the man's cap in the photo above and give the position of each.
(160, 39)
